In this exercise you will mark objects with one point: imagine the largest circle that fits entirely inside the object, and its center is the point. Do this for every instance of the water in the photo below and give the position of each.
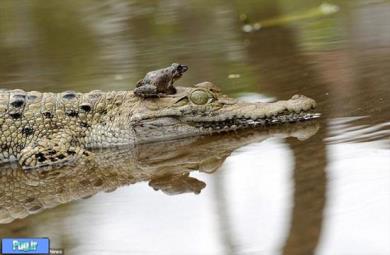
(262, 192)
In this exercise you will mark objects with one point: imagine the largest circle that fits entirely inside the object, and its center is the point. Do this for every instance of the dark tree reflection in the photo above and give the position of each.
(284, 71)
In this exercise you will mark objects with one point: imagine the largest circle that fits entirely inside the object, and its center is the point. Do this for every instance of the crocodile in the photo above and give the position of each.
(53, 129)
(166, 166)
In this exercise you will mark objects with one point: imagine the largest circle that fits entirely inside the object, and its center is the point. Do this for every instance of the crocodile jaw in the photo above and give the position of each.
(179, 123)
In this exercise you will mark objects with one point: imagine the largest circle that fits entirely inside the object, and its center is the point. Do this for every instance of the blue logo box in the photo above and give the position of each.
(25, 246)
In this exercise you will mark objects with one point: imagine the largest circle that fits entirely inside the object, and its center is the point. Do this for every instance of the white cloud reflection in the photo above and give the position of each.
(259, 188)
(357, 216)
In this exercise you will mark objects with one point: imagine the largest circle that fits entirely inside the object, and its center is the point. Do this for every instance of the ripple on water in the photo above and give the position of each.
(357, 130)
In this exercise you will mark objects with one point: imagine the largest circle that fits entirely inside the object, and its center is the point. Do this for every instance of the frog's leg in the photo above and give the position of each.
(171, 89)
(146, 90)
(54, 151)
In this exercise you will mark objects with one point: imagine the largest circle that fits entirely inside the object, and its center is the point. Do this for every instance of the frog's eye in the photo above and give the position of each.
(200, 97)
(182, 68)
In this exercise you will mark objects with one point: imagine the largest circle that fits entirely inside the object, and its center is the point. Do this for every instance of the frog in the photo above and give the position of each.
(158, 83)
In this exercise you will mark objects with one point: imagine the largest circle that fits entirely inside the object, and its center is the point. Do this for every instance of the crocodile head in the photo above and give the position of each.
(202, 109)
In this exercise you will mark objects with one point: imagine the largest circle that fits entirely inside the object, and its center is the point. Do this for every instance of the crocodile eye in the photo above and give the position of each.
(200, 97)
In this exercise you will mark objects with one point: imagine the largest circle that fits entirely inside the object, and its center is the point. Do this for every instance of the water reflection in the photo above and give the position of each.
(166, 166)
(254, 197)
(267, 197)
(357, 211)
(357, 130)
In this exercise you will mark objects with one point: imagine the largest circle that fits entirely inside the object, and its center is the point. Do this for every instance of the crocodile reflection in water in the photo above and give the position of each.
(165, 165)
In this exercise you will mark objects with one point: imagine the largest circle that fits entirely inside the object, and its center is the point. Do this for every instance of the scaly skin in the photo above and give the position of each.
(48, 129)
(164, 165)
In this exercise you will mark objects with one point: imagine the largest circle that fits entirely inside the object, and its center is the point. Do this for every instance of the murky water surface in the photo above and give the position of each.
(256, 192)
